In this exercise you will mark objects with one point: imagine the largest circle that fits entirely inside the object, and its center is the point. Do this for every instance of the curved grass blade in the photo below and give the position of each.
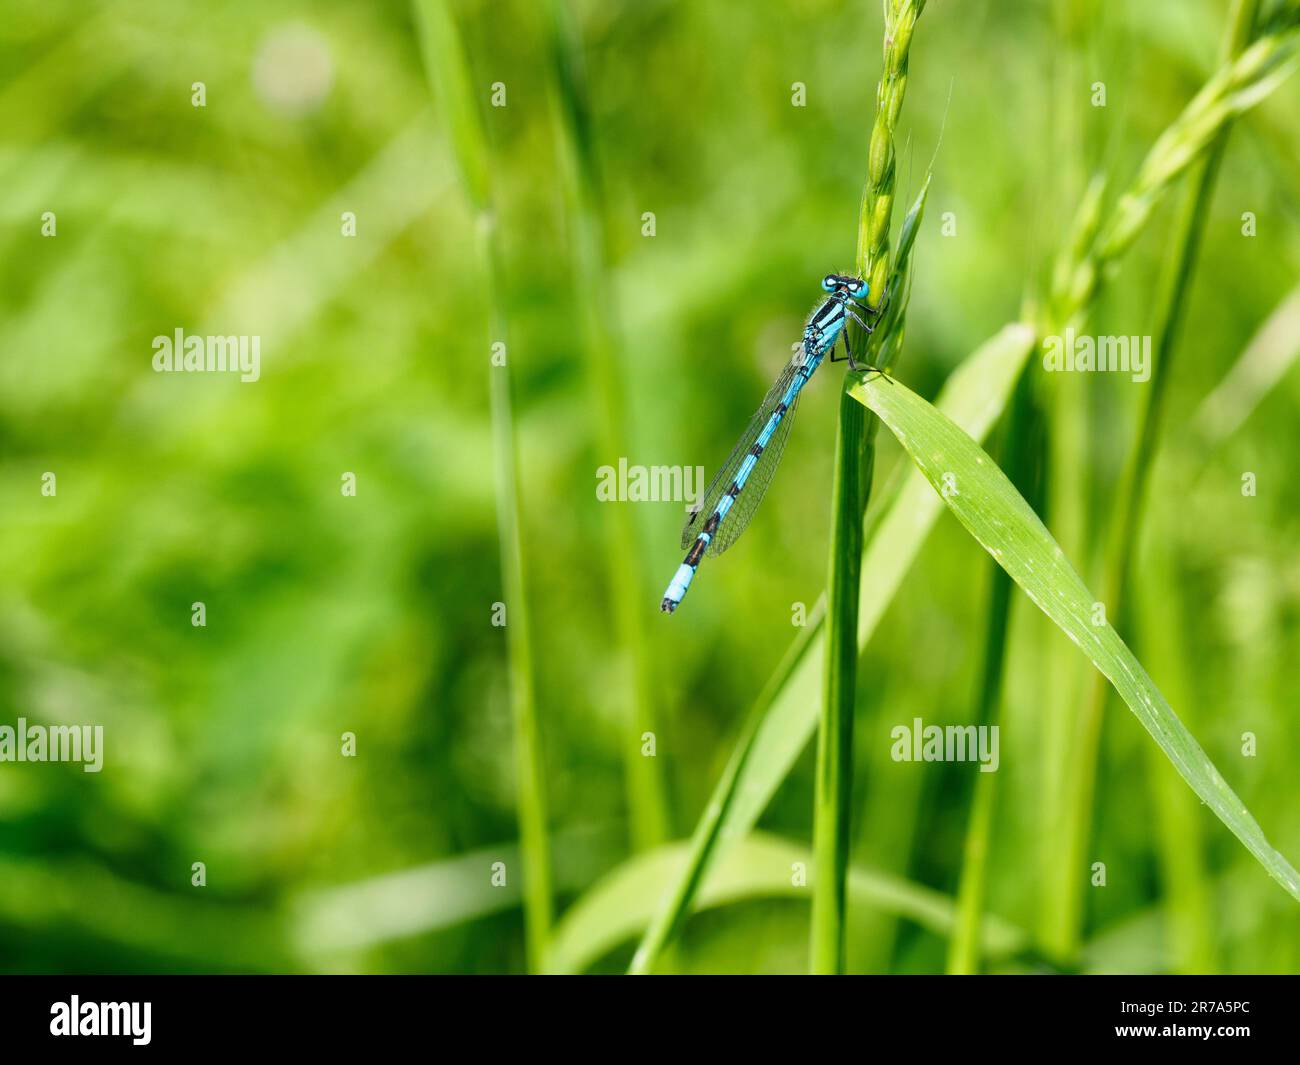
(448, 71)
(785, 714)
(1268, 357)
(331, 923)
(990, 508)
(624, 901)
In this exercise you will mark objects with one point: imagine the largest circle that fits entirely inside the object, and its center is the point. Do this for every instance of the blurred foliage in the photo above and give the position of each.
(373, 614)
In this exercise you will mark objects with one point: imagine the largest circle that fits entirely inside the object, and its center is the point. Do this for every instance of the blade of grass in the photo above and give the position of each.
(1269, 356)
(333, 921)
(647, 802)
(996, 515)
(1067, 498)
(448, 73)
(759, 866)
(529, 771)
(59, 895)
(783, 718)
(1067, 495)
(1124, 531)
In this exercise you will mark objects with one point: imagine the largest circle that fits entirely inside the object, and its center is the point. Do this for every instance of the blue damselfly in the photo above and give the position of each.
(753, 461)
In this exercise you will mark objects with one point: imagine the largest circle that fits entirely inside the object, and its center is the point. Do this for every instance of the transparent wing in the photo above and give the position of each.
(738, 517)
(742, 510)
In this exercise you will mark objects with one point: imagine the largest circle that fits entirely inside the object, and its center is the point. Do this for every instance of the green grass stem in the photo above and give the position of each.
(834, 783)
(448, 73)
(1021, 446)
(854, 456)
(646, 795)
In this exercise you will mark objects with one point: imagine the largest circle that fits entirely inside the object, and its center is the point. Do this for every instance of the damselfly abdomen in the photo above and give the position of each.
(749, 468)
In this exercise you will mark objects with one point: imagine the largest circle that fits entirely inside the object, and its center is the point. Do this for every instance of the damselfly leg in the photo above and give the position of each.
(854, 365)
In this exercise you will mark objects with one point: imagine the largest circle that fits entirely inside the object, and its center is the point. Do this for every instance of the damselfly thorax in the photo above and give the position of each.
(828, 320)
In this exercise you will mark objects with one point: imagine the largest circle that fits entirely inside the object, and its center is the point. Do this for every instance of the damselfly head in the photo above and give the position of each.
(854, 287)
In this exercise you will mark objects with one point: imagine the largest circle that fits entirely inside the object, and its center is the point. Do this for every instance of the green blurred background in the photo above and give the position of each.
(372, 614)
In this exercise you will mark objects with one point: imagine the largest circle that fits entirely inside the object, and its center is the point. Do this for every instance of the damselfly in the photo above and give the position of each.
(753, 461)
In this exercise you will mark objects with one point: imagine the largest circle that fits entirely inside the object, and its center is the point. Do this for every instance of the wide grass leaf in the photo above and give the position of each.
(622, 903)
(991, 509)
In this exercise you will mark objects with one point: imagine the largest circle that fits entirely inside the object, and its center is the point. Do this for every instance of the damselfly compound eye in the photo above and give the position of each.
(829, 282)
